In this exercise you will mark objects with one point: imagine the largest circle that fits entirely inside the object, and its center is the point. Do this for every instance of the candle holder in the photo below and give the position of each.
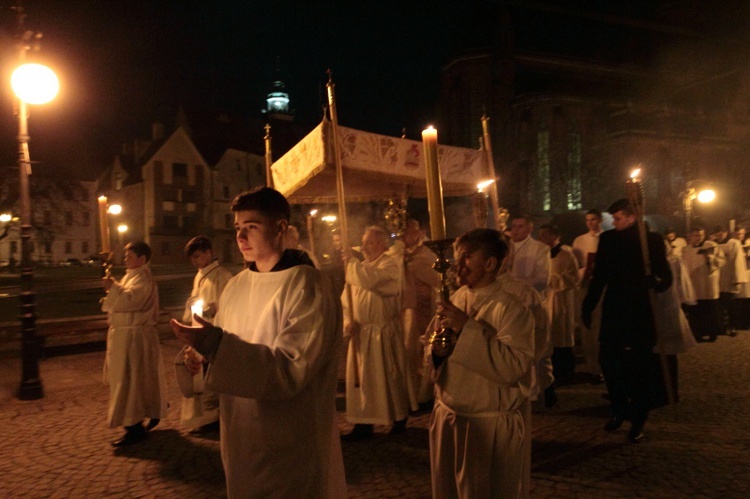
(442, 339)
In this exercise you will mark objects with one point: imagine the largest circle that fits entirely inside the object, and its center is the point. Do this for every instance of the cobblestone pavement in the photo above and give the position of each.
(58, 446)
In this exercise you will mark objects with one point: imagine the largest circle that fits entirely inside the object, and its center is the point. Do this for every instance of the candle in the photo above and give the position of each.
(198, 382)
(104, 224)
(196, 309)
(434, 184)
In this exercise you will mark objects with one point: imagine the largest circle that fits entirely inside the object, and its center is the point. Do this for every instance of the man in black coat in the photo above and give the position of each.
(627, 336)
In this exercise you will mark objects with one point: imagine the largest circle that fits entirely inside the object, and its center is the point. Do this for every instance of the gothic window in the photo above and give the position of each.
(574, 169)
(543, 170)
(68, 247)
(85, 218)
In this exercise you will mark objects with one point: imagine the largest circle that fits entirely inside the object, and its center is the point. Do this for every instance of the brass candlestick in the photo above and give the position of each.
(442, 339)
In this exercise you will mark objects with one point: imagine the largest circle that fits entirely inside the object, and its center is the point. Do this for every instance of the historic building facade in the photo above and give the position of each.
(579, 98)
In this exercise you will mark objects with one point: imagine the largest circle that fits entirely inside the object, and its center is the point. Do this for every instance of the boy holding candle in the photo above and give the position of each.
(200, 408)
(272, 357)
(483, 381)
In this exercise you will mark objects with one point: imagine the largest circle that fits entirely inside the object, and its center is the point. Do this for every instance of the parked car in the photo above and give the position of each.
(71, 262)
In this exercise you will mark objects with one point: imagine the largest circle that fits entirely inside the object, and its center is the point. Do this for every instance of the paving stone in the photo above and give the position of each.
(59, 446)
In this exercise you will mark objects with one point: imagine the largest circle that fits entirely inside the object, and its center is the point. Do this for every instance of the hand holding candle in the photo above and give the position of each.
(196, 309)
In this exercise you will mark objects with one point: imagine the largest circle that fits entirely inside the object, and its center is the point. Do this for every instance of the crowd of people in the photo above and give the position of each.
(262, 347)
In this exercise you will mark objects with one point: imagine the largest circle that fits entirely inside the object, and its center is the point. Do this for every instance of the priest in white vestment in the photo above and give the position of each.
(376, 384)
(420, 291)
(273, 358)
(478, 433)
(133, 368)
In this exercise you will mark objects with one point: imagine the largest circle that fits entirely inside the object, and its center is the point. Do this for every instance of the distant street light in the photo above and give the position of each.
(115, 209)
(6, 217)
(33, 84)
(695, 189)
(121, 230)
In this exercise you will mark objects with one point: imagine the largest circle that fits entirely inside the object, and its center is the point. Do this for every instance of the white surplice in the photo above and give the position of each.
(561, 300)
(275, 369)
(703, 268)
(376, 384)
(477, 429)
(530, 261)
(421, 287)
(132, 367)
(734, 274)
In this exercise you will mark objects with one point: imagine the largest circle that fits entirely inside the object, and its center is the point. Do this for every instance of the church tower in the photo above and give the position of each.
(277, 100)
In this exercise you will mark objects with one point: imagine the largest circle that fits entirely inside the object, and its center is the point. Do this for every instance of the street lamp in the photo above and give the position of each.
(33, 84)
(121, 230)
(695, 189)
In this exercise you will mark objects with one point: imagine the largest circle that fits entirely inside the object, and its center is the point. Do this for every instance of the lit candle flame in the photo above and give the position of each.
(484, 184)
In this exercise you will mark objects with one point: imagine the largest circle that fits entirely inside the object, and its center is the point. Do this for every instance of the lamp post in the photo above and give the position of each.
(33, 84)
(121, 230)
(692, 192)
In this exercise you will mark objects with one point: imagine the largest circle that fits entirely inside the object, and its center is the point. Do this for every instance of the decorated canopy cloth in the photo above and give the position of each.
(374, 167)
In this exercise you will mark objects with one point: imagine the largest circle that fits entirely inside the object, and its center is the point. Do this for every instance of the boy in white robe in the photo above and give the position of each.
(273, 358)
(483, 381)
(200, 409)
(133, 369)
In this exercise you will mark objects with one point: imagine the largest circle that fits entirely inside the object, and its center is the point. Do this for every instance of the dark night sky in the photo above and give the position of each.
(123, 63)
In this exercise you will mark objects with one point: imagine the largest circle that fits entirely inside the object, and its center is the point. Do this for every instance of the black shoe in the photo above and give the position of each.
(614, 423)
(133, 435)
(398, 427)
(152, 423)
(360, 432)
(635, 434)
(550, 397)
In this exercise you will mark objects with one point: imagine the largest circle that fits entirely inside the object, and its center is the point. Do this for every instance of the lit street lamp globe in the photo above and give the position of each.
(115, 209)
(35, 83)
(122, 228)
(706, 196)
(5, 217)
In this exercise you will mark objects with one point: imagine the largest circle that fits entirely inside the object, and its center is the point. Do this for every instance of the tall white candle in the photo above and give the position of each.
(434, 184)
(104, 224)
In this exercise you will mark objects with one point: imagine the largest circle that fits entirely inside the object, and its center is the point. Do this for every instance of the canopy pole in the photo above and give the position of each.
(269, 160)
(494, 198)
(342, 210)
(634, 188)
